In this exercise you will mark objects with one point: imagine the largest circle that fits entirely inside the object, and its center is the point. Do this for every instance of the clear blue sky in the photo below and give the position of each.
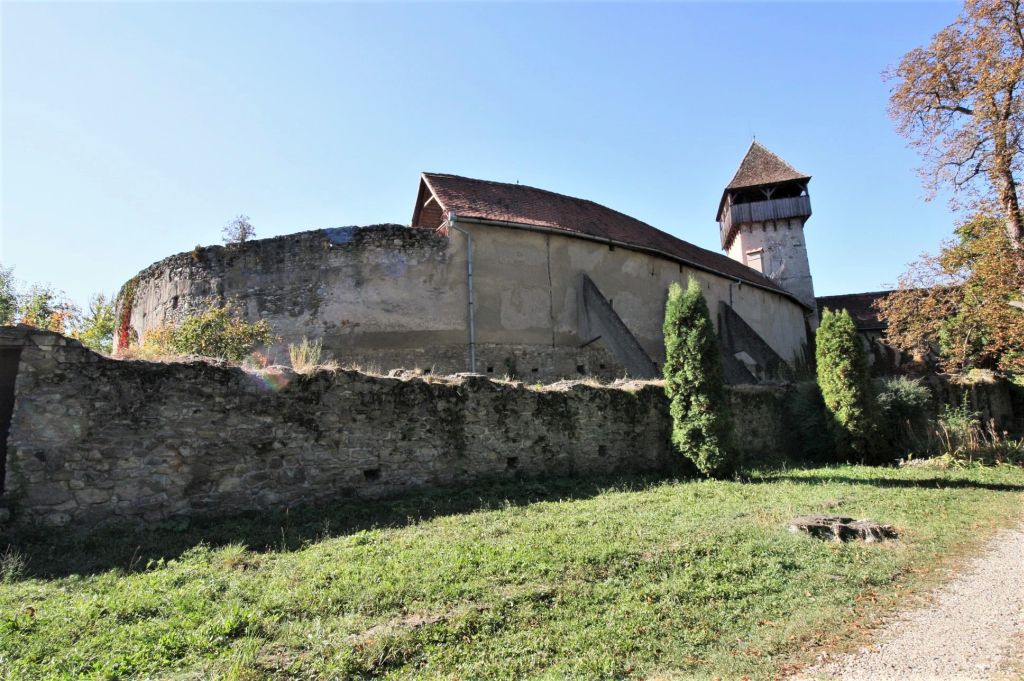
(134, 131)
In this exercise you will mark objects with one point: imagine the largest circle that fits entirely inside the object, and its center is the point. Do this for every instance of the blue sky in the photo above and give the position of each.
(134, 131)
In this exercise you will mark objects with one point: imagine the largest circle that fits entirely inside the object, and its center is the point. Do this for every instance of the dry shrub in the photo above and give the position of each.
(305, 357)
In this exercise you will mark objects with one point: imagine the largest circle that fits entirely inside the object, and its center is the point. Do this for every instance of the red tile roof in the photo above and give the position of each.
(527, 206)
(760, 167)
(859, 305)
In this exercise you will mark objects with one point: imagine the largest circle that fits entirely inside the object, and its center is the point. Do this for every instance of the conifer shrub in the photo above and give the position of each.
(845, 382)
(694, 382)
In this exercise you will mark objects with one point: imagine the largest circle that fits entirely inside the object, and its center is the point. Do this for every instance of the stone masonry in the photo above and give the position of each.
(95, 440)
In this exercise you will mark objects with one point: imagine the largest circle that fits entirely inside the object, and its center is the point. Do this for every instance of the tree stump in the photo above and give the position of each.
(837, 528)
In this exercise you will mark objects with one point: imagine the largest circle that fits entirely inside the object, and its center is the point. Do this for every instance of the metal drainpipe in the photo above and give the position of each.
(469, 287)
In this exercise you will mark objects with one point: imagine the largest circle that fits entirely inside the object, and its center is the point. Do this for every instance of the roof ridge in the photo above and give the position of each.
(861, 293)
(544, 191)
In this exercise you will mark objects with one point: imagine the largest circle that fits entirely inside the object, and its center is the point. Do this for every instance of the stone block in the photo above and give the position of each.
(93, 496)
(43, 495)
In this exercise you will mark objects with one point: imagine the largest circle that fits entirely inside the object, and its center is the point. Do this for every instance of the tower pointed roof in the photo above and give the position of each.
(760, 167)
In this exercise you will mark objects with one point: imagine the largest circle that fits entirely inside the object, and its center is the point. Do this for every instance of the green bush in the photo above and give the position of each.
(903, 415)
(845, 382)
(960, 430)
(8, 295)
(96, 329)
(218, 332)
(694, 382)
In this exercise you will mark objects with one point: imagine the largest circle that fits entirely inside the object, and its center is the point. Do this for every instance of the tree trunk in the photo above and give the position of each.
(1007, 186)
(1011, 206)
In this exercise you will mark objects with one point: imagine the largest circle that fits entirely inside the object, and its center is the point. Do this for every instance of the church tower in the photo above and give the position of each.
(761, 218)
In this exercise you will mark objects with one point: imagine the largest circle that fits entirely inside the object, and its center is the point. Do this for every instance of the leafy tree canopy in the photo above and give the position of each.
(960, 102)
(958, 303)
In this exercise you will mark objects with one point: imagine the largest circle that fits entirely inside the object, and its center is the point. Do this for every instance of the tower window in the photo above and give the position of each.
(755, 259)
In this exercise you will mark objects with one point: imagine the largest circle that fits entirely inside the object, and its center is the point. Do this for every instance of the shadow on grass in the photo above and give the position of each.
(920, 483)
(57, 554)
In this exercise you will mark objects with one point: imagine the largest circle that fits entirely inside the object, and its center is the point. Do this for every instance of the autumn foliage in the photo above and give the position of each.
(957, 304)
(960, 101)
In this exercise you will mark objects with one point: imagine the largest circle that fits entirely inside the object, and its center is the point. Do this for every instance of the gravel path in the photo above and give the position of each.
(973, 627)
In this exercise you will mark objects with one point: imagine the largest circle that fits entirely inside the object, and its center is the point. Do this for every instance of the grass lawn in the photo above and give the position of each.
(644, 578)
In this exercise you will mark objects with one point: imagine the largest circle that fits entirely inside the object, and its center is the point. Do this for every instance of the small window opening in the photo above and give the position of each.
(490, 370)
(372, 474)
(174, 303)
(512, 462)
(534, 370)
(581, 369)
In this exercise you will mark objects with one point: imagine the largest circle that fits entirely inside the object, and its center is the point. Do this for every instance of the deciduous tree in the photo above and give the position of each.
(956, 303)
(8, 295)
(238, 231)
(46, 308)
(218, 332)
(960, 101)
(96, 328)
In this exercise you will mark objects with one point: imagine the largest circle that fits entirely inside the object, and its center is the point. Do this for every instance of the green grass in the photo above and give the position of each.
(645, 578)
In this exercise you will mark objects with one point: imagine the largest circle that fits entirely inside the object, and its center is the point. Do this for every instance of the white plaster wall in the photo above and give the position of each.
(395, 295)
(784, 257)
(507, 259)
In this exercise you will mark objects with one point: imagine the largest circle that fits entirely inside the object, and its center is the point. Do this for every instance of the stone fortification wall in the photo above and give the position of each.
(382, 297)
(96, 440)
(390, 296)
(383, 286)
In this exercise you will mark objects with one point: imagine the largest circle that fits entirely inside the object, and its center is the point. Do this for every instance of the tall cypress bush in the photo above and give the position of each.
(845, 382)
(694, 382)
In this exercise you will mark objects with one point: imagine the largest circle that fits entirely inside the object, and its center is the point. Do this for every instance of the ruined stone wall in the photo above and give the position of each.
(761, 423)
(95, 440)
(382, 287)
(998, 403)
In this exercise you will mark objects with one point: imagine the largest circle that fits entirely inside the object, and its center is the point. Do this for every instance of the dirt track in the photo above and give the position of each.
(973, 627)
